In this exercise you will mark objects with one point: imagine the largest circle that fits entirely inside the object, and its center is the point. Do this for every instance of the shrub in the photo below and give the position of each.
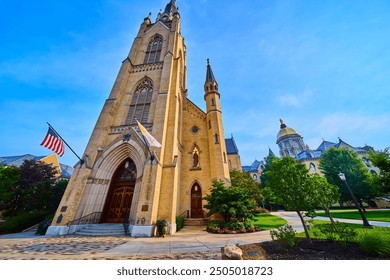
(22, 221)
(231, 227)
(338, 232)
(374, 244)
(286, 235)
(346, 234)
(179, 223)
(42, 227)
(161, 227)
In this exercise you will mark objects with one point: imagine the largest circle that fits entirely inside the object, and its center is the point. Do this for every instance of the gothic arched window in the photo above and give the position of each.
(154, 50)
(129, 171)
(140, 103)
(312, 167)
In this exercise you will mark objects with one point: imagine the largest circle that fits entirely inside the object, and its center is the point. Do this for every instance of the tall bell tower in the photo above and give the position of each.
(122, 174)
(150, 88)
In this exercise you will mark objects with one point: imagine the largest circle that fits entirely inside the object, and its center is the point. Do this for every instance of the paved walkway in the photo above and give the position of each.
(188, 243)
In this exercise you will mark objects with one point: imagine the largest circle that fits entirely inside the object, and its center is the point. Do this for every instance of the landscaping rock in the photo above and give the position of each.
(232, 251)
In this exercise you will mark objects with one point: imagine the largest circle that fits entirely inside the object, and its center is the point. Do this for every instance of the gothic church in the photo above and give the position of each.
(121, 174)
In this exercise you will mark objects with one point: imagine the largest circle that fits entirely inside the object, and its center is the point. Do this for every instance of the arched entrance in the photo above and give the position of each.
(120, 195)
(196, 202)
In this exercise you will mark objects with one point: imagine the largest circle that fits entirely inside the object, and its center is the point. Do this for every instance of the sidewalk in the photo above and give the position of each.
(189, 243)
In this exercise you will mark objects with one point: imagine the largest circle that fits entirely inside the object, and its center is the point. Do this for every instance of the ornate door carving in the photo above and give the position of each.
(120, 204)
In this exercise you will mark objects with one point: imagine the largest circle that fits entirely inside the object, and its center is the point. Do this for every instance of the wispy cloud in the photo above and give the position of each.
(295, 100)
(340, 123)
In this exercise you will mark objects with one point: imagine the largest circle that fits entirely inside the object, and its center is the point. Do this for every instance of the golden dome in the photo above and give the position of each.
(284, 130)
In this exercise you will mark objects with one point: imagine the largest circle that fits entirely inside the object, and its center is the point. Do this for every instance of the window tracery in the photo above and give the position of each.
(153, 51)
(140, 103)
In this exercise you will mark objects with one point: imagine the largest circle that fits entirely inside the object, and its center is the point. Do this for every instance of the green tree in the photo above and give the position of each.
(233, 203)
(268, 161)
(327, 194)
(34, 190)
(269, 196)
(266, 192)
(56, 195)
(9, 176)
(288, 181)
(382, 161)
(336, 160)
(244, 180)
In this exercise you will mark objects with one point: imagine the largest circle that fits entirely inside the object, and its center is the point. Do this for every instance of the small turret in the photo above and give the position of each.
(210, 83)
(218, 155)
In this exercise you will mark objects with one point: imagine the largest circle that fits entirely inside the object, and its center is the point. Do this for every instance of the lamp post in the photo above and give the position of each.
(365, 221)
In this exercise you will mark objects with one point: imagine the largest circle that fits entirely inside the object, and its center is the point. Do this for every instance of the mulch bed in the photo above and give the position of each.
(318, 250)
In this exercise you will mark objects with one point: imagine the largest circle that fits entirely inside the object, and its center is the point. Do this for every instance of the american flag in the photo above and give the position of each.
(53, 142)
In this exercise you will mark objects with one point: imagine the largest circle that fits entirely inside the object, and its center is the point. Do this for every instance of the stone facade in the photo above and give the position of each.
(150, 183)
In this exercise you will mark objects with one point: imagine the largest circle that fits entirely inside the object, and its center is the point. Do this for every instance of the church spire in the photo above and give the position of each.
(169, 11)
(210, 83)
(209, 74)
(170, 7)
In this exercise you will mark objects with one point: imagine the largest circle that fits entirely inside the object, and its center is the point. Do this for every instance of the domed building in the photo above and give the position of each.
(289, 141)
(291, 144)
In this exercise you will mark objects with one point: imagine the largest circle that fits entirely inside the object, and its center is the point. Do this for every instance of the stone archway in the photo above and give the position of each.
(196, 201)
(96, 194)
(120, 195)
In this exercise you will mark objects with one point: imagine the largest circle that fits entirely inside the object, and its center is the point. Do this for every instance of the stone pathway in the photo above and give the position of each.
(190, 243)
(84, 248)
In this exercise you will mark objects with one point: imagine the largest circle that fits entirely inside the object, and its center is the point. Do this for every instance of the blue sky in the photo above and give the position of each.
(321, 66)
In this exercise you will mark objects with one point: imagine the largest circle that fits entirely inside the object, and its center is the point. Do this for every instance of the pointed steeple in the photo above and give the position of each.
(209, 74)
(170, 7)
(169, 11)
(210, 83)
(270, 152)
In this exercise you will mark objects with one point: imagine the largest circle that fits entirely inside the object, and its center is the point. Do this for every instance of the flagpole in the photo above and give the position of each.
(81, 161)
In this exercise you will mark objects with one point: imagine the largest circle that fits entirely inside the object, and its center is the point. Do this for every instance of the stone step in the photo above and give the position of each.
(195, 222)
(102, 230)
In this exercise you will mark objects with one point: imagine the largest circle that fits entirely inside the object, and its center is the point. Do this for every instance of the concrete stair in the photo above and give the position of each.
(102, 230)
(195, 222)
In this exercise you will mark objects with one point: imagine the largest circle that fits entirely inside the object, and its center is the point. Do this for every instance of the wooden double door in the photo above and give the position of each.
(120, 204)
(120, 195)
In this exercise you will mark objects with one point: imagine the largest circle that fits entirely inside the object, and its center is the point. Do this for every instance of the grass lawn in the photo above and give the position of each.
(267, 221)
(382, 231)
(374, 215)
